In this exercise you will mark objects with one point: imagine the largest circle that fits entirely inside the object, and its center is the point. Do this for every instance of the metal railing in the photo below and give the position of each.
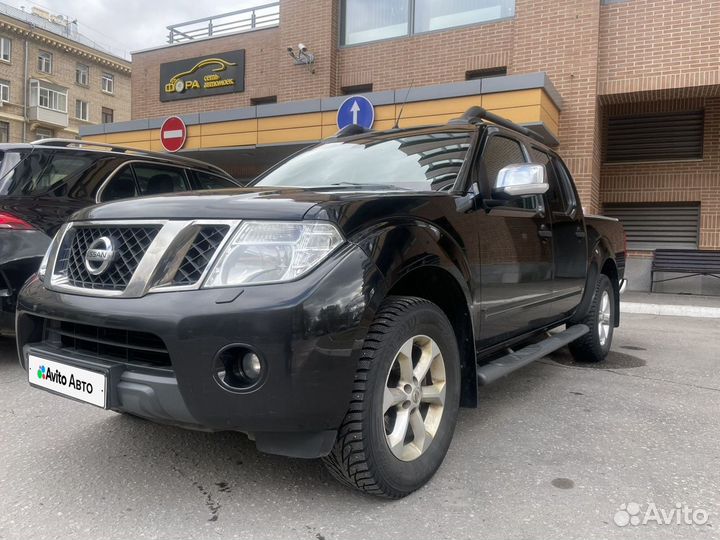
(244, 20)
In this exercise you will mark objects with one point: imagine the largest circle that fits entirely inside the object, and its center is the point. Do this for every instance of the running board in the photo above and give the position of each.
(496, 369)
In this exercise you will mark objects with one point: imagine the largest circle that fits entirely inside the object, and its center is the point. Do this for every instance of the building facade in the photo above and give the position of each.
(630, 89)
(53, 80)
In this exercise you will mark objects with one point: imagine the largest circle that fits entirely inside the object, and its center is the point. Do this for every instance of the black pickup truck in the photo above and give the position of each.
(344, 306)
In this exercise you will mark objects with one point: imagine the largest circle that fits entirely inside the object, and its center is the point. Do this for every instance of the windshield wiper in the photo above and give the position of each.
(359, 184)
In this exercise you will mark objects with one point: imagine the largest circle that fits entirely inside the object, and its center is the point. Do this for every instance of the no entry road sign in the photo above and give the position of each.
(173, 134)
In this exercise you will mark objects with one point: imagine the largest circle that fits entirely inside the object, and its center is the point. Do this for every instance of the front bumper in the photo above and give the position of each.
(308, 332)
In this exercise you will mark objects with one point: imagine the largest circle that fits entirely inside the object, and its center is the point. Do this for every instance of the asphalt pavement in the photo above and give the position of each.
(556, 450)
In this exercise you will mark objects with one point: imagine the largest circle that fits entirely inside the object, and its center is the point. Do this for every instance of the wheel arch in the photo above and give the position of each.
(438, 286)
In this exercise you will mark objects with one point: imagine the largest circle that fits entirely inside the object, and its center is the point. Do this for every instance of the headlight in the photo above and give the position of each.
(44, 263)
(272, 251)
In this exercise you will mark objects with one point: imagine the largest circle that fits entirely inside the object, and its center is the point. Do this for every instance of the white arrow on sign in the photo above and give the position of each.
(355, 109)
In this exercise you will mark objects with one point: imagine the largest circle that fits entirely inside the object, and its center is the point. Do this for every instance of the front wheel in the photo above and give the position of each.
(600, 318)
(405, 401)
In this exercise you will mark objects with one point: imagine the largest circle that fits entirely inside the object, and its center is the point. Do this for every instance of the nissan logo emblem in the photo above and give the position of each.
(99, 256)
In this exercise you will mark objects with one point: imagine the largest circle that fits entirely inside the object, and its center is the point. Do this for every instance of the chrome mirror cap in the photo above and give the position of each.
(520, 180)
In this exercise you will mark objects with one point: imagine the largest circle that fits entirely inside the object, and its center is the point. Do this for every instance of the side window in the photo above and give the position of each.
(121, 186)
(556, 201)
(205, 180)
(499, 153)
(158, 179)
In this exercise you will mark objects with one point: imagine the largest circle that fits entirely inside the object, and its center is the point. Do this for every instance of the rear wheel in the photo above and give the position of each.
(405, 401)
(600, 318)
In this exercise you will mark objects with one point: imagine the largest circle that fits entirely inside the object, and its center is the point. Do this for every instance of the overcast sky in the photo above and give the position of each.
(130, 25)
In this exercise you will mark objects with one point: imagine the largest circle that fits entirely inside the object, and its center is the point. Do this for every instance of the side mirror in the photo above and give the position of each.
(520, 180)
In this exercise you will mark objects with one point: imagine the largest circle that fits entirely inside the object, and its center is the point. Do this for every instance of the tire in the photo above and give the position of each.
(600, 318)
(362, 456)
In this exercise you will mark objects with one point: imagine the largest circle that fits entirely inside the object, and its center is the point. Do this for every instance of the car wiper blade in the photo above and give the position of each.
(359, 184)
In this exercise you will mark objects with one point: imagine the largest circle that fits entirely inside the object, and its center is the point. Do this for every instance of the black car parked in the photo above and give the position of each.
(343, 306)
(44, 183)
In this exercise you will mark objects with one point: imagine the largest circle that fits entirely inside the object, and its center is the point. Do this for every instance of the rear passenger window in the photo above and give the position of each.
(157, 179)
(206, 180)
(120, 186)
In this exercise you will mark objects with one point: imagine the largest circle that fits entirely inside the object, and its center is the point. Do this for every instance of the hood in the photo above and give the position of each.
(242, 203)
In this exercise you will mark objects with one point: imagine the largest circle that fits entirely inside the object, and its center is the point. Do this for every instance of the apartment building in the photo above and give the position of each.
(628, 90)
(54, 80)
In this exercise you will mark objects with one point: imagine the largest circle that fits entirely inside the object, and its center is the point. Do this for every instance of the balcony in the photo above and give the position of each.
(47, 117)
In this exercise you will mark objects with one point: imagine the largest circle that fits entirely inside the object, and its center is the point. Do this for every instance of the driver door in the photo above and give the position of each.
(516, 250)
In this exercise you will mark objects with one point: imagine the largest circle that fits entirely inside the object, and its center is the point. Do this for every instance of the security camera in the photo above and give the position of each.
(302, 48)
(290, 50)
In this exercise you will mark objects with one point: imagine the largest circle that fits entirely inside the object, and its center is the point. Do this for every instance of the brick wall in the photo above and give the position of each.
(669, 182)
(650, 44)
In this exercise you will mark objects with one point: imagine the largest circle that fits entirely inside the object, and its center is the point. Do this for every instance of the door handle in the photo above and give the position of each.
(544, 232)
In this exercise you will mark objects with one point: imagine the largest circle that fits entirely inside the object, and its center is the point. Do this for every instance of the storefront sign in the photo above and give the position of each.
(222, 73)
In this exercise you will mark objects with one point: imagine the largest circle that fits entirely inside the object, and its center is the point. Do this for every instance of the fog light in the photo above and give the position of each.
(239, 367)
(251, 366)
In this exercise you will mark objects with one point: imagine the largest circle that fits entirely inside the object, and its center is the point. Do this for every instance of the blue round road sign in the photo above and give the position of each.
(356, 110)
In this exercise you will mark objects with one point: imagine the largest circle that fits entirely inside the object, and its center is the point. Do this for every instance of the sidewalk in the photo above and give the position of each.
(674, 305)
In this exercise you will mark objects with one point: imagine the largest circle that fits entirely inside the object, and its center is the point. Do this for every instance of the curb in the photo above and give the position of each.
(670, 310)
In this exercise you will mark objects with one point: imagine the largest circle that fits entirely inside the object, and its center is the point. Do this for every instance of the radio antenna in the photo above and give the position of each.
(402, 107)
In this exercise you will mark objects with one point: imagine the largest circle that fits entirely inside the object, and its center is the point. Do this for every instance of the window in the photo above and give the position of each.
(44, 133)
(485, 73)
(108, 83)
(357, 89)
(4, 132)
(371, 20)
(82, 74)
(555, 192)
(81, 109)
(45, 61)
(433, 15)
(204, 180)
(670, 136)
(263, 100)
(106, 116)
(4, 90)
(41, 171)
(156, 179)
(423, 161)
(5, 49)
(120, 186)
(47, 97)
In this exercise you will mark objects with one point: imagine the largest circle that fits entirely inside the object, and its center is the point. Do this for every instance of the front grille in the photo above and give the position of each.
(126, 346)
(199, 255)
(130, 244)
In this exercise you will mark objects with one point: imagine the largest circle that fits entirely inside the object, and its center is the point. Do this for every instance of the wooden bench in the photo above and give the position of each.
(691, 262)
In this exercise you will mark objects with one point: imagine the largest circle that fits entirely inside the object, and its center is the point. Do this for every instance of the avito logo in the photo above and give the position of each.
(58, 378)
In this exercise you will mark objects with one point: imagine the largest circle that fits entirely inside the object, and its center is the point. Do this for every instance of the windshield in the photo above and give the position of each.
(36, 172)
(425, 161)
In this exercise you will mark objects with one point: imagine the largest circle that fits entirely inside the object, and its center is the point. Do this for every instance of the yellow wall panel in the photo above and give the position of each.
(524, 106)
(302, 134)
(506, 100)
(292, 121)
(234, 126)
(229, 139)
(454, 106)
